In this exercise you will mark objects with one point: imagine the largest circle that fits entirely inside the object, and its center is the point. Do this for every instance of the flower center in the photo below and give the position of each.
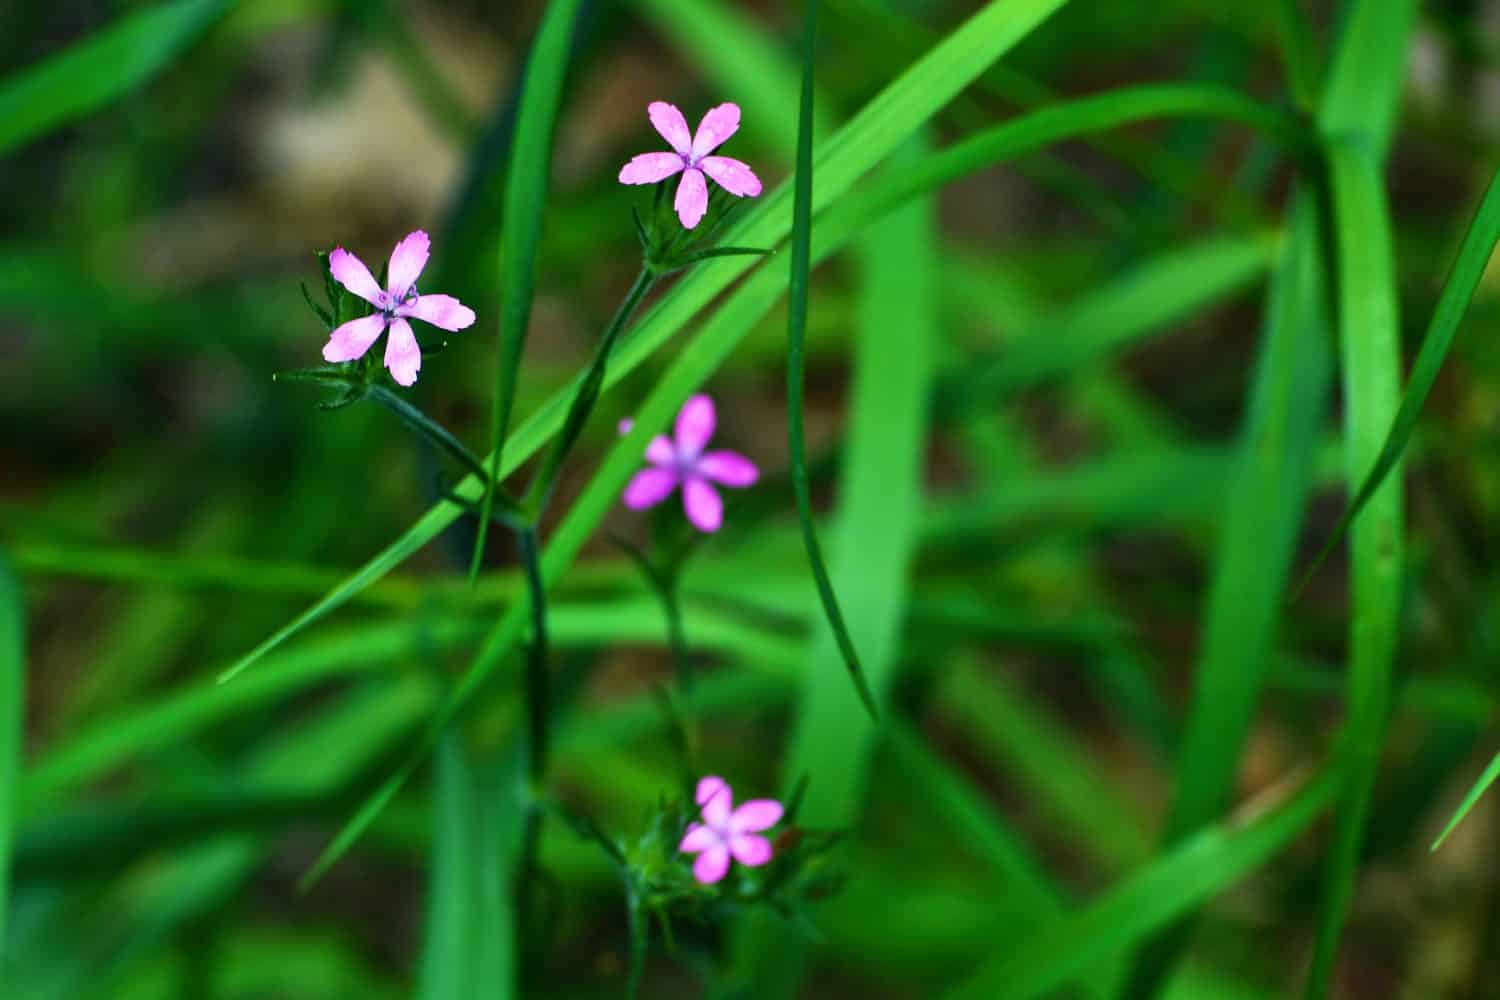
(389, 302)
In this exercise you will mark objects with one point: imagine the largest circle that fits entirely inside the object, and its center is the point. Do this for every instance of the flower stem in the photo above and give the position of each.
(439, 435)
(583, 400)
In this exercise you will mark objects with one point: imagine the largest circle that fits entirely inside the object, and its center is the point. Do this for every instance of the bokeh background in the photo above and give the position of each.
(1092, 316)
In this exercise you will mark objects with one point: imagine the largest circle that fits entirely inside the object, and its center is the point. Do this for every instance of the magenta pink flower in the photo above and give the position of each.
(726, 830)
(683, 462)
(393, 305)
(690, 157)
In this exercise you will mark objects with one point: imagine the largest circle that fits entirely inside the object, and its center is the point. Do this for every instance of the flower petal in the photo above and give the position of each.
(717, 802)
(750, 849)
(692, 198)
(402, 355)
(717, 125)
(650, 487)
(756, 815)
(732, 175)
(728, 468)
(698, 838)
(712, 864)
(695, 425)
(708, 787)
(349, 271)
(407, 261)
(702, 503)
(672, 126)
(660, 451)
(353, 339)
(442, 311)
(625, 425)
(648, 168)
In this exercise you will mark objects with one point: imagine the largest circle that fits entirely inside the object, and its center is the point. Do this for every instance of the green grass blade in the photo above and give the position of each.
(796, 327)
(521, 226)
(1264, 505)
(1174, 884)
(1369, 339)
(1458, 291)
(867, 139)
(469, 944)
(12, 719)
(1486, 779)
(1357, 120)
(99, 69)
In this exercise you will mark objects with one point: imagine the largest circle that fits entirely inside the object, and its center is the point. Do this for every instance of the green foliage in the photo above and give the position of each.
(1075, 330)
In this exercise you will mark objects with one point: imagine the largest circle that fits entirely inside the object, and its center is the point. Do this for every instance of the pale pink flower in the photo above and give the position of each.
(393, 304)
(681, 461)
(690, 157)
(728, 831)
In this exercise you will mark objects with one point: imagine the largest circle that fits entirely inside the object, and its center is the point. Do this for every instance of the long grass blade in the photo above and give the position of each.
(1264, 505)
(521, 226)
(1357, 119)
(796, 327)
(99, 69)
(1039, 963)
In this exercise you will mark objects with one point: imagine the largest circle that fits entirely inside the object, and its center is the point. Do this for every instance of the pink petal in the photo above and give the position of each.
(712, 864)
(660, 451)
(648, 168)
(625, 425)
(695, 425)
(717, 805)
(708, 787)
(353, 339)
(672, 126)
(702, 504)
(442, 311)
(649, 488)
(728, 468)
(756, 815)
(733, 176)
(751, 850)
(692, 198)
(402, 355)
(698, 838)
(349, 271)
(717, 125)
(407, 261)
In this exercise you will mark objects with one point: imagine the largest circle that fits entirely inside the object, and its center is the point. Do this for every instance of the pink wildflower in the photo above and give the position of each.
(394, 304)
(725, 831)
(684, 462)
(690, 157)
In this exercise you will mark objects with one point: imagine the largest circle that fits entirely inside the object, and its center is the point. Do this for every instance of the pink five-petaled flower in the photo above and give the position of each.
(393, 304)
(690, 157)
(726, 830)
(684, 462)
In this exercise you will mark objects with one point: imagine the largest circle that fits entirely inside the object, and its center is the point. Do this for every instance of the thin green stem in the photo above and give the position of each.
(1299, 50)
(430, 429)
(796, 330)
(587, 396)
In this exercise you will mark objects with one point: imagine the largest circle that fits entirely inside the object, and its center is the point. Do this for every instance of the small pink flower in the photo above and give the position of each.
(726, 830)
(684, 462)
(393, 305)
(690, 157)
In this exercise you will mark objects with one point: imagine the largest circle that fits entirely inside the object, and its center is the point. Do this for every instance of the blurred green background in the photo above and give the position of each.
(1080, 423)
